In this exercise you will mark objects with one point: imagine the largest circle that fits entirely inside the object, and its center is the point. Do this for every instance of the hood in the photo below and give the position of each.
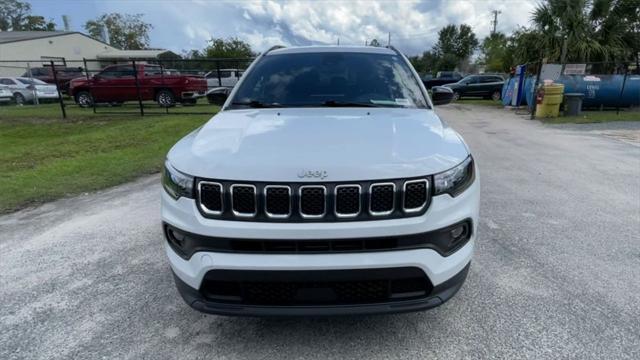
(341, 144)
(78, 81)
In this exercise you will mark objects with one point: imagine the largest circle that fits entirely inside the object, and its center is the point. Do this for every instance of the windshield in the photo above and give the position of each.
(330, 79)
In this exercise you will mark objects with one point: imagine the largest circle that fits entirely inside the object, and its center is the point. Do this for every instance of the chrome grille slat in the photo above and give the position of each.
(274, 200)
(344, 199)
(382, 198)
(415, 195)
(243, 200)
(207, 192)
(309, 201)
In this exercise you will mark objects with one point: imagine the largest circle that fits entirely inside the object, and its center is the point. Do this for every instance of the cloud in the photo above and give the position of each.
(413, 24)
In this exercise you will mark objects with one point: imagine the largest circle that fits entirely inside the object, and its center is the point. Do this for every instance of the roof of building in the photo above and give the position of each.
(132, 54)
(14, 36)
(332, 48)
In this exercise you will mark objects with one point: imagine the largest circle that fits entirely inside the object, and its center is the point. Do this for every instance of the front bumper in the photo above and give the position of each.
(445, 272)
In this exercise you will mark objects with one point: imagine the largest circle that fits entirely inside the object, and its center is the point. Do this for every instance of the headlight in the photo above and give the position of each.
(454, 181)
(176, 183)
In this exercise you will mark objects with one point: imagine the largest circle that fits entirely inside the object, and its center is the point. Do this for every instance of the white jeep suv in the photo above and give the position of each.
(326, 185)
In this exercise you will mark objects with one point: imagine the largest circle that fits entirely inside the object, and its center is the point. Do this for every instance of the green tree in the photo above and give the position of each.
(127, 32)
(493, 53)
(228, 48)
(584, 30)
(374, 42)
(454, 45)
(426, 63)
(16, 16)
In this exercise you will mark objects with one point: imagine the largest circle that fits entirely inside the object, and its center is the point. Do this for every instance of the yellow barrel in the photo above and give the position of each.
(551, 101)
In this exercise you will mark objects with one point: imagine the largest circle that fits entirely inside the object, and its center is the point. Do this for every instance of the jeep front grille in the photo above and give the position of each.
(308, 202)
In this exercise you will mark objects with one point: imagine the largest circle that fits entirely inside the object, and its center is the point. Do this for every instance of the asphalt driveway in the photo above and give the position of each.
(556, 272)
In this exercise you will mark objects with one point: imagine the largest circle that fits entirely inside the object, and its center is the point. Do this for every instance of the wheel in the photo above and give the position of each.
(84, 99)
(165, 98)
(456, 96)
(496, 95)
(19, 98)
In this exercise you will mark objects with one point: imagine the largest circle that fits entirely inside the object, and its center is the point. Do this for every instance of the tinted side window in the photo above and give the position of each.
(117, 72)
(152, 71)
(6, 82)
(473, 80)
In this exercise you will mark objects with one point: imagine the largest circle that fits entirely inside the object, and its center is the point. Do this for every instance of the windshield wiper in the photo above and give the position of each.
(333, 103)
(256, 104)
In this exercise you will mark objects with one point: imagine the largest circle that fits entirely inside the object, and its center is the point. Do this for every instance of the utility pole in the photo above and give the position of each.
(389, 39)
(495, 20)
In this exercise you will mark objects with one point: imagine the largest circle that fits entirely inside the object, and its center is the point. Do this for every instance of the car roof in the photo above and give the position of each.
(332, 48)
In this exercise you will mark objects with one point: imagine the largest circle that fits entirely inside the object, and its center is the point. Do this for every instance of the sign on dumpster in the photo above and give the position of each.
(574, 69)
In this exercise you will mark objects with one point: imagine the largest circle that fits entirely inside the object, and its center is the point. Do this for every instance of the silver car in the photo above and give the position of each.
(25, 90)
(5, 94)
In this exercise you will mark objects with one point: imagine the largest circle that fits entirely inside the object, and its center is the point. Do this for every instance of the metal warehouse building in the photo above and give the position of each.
(66, 48)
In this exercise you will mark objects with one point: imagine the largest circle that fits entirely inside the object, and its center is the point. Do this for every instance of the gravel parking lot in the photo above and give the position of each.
(555, 275)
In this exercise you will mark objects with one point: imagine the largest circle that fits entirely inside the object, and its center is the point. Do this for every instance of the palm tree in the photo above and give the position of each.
(566, 30)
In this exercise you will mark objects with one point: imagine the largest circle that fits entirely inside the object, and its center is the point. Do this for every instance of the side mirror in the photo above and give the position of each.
(441, 95)
(218, 96)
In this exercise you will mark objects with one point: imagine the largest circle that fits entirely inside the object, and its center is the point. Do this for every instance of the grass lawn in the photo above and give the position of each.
(484, 102)
(588, 117)
(43, 157)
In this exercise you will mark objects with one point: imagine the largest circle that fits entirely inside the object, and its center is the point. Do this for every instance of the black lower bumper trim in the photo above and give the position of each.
(438, 296)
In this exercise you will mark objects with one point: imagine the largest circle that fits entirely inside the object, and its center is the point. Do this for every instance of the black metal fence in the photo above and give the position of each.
(194, 86)
(136, 86)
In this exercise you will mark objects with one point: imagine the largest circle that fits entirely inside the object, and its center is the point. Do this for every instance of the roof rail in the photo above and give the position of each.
(276, 47)
(391, 47)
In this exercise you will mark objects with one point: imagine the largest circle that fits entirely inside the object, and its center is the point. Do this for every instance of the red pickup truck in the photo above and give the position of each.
(117, 83)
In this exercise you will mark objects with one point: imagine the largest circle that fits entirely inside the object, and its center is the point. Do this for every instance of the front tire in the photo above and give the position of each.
(84, 99)
(165, 98)
(496, 96)
(19, 99)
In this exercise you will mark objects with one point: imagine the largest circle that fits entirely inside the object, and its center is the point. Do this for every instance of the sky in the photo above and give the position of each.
(187, 24)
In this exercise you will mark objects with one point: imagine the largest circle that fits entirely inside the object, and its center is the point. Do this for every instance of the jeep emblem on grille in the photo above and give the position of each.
(318, 174)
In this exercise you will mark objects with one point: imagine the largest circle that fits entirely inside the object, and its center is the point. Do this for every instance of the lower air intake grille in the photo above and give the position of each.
(332, 287)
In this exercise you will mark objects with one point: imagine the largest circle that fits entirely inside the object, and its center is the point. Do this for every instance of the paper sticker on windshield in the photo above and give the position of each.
(404, 102)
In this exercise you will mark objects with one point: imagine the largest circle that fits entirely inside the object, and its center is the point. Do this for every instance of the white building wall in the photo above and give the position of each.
(71, 47)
